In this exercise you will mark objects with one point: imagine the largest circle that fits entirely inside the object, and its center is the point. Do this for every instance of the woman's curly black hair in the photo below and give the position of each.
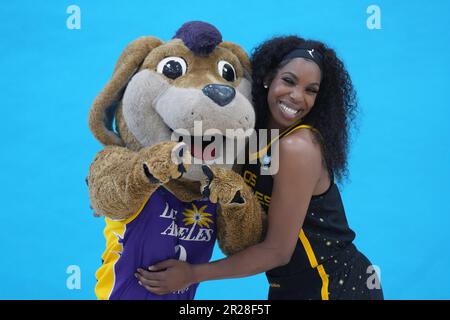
(335, 106)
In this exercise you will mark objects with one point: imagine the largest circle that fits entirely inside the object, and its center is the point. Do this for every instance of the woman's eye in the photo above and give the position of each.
(288, 80)
(226, 70)
(315, 91)
(172, 67)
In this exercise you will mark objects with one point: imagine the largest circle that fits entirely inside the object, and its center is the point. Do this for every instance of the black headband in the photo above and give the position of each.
(310, 54)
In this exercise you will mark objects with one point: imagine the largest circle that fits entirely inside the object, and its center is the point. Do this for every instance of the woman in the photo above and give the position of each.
(301, 88)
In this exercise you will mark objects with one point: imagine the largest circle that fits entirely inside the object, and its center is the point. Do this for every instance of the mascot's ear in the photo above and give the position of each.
(102, 112)
(241, 55)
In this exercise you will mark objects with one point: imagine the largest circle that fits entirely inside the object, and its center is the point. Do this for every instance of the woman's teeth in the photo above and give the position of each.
(287, 109)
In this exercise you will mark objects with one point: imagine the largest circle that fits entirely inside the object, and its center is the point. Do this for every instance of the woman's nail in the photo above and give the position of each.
(136, 275)
(140, 283)
(151, 268)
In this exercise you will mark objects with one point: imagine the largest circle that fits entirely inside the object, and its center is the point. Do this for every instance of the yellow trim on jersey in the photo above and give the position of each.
(315, 265)
(286, 132)
(105, 275)
(301, 126)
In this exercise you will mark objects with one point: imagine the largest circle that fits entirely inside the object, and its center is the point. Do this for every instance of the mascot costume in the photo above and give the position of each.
(157, 204)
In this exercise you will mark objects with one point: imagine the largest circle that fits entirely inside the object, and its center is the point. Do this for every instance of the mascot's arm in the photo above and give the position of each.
(241, 225)
(241, 221)
(121, 180)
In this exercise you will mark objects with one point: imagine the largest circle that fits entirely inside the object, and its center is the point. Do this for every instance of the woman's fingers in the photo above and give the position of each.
(145, 282)
(155, 281)
(154, 286)
(163, 265)
(152, 281)
(151, 275)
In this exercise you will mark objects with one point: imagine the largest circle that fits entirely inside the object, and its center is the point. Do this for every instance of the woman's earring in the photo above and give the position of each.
(265, 85)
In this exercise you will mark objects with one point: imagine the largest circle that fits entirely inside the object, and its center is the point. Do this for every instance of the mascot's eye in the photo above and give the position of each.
(226, 70)
(172, 67)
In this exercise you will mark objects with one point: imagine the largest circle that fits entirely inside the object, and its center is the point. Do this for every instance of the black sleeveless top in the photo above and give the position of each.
(325, 234)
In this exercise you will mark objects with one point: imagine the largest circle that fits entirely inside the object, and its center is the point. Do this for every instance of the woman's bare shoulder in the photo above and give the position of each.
(301, 143)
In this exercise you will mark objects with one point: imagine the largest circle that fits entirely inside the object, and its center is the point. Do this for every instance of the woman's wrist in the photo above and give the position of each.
(198, 273)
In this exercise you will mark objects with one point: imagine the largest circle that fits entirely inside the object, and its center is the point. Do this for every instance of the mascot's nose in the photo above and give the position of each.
(220, 94)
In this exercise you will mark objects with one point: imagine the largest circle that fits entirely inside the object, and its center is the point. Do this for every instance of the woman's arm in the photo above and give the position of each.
(299, 171)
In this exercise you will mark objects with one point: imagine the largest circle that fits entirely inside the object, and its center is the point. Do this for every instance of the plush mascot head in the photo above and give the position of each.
(158, 88)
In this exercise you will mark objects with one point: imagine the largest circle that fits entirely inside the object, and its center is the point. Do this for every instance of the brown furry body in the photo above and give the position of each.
(137, 159)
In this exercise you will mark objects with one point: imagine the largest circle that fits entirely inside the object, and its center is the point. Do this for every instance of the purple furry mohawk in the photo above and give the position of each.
(200, 37)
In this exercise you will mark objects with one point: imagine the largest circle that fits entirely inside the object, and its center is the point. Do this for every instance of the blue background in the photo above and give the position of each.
(396, 198)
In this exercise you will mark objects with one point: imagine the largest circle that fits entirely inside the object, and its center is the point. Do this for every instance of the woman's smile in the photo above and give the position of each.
(288, 110)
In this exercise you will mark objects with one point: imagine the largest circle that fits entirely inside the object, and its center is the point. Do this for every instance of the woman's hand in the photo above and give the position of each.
(166, 277)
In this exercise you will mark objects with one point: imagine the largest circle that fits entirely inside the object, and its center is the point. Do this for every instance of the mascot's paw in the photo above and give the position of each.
(165, 161)
(222, 186)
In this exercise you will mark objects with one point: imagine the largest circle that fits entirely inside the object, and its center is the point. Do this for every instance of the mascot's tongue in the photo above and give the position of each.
(198, 151)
